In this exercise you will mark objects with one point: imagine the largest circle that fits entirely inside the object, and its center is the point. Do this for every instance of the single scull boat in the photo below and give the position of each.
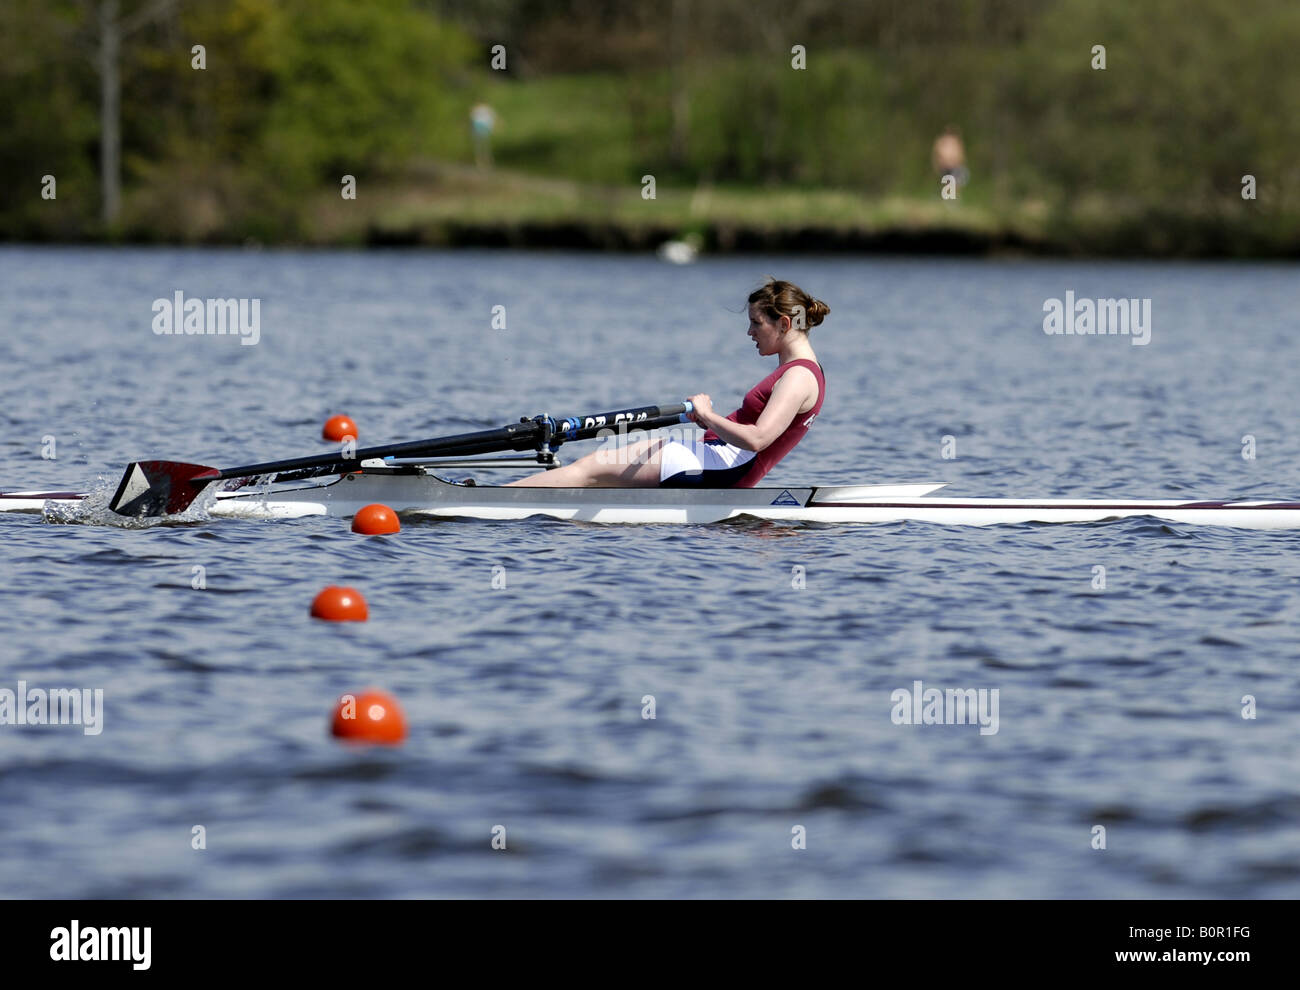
(410, 478)
(418, 490)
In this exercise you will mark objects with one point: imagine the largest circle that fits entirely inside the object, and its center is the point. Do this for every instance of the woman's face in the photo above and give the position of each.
(765, 334)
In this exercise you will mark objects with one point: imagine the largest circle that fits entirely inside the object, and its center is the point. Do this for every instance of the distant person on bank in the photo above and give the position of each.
(482, 121)
(949, 157)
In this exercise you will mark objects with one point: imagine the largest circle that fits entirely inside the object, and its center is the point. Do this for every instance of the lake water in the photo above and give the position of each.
(1119, 706)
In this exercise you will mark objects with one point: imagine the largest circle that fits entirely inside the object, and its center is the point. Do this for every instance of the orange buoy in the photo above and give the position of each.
(338, 428)
(371, 716)
(375, 518)
(340, 605)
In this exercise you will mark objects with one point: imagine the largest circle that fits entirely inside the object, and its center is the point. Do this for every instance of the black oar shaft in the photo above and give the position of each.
(487, 439)
(517, 436)
(463, 446)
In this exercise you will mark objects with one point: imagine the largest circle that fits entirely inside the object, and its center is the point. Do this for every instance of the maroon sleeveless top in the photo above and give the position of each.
(752, 407)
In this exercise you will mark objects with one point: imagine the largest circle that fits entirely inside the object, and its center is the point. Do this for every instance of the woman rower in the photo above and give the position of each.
(739, 449)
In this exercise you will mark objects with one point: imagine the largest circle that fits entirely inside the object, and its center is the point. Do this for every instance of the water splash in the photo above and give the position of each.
(93, 510)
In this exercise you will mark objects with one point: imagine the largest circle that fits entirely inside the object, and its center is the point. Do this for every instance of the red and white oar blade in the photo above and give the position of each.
(159, 488)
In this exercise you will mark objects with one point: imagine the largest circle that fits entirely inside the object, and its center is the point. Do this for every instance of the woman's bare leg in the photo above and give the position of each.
(633, 466)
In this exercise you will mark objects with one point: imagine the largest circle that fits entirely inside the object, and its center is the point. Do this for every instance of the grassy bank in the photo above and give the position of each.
(1146, 156)
(451, 205)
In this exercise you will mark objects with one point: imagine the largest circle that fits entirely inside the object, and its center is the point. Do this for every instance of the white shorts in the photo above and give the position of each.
(697, 460)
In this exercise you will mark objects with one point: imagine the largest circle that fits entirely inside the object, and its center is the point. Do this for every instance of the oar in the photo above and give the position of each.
(153, 488)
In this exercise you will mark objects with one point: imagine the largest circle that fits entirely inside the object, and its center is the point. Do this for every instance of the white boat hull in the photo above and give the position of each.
(425, 494)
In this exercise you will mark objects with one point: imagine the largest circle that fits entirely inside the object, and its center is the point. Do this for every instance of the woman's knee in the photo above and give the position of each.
(619, 456)
(630, 463)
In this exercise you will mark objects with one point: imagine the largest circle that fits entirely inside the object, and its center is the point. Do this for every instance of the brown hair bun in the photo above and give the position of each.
(776, 298)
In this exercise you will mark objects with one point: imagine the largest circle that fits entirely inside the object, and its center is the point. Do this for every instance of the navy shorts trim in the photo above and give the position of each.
(726, 478)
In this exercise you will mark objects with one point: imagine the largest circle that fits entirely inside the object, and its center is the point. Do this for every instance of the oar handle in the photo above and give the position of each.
(568, 429)
(589, 431)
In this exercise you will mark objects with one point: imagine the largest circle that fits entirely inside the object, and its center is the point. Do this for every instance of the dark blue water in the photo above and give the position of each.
(1119, 706)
